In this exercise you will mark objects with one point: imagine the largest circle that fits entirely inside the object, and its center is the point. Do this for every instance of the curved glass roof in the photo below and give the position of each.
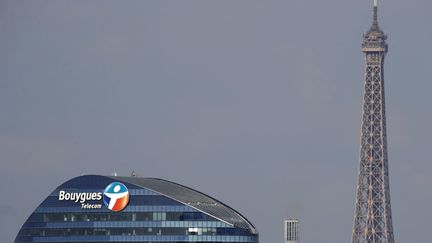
(192, 198)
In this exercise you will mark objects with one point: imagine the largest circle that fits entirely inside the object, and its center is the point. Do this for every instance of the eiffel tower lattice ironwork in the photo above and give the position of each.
(373, 220)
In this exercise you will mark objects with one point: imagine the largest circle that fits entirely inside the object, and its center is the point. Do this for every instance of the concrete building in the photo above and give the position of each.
(292, 231)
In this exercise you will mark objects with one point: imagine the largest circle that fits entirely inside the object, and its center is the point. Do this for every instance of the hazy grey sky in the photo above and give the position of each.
(257, 103)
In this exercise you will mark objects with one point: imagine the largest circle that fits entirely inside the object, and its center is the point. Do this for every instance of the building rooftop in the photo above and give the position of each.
(192, 198)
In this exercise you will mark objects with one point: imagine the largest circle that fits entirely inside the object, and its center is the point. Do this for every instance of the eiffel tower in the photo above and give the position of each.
(373, 220)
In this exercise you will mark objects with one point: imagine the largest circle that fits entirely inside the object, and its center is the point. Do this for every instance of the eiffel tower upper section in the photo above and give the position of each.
(373, 220)
(375, 39)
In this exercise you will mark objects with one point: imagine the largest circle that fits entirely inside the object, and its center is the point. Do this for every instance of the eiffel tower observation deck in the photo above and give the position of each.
(373, 220)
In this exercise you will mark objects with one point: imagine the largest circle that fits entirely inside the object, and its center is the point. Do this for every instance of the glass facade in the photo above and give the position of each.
(164, 214)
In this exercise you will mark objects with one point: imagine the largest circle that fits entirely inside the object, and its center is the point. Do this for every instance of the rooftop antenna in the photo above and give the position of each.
(375, 16)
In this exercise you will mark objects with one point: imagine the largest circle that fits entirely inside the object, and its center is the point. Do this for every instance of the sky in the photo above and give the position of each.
(256, 103)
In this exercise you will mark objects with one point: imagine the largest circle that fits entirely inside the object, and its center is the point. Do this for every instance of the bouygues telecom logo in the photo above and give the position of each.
(116, 196)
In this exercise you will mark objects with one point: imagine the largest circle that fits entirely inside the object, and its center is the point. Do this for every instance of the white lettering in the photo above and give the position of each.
(91, 206)
(61, 195)
(80, 197)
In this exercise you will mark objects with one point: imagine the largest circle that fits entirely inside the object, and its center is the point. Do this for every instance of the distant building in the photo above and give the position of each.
(291, 231)
(96, 209)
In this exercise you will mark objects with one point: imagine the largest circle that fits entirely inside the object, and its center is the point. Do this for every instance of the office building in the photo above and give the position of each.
(98, 209)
